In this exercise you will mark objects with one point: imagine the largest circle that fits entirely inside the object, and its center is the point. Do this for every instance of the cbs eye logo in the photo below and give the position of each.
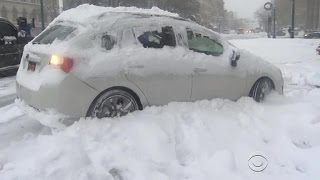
(257, 162)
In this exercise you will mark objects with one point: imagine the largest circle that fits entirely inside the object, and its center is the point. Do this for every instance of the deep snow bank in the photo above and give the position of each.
(196, 141)
(202, 140)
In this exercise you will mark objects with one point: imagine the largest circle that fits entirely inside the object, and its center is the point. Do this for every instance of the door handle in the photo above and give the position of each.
(199, 70)
(136, 66)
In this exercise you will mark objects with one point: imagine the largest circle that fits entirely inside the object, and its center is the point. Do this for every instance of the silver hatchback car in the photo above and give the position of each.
(114, 62)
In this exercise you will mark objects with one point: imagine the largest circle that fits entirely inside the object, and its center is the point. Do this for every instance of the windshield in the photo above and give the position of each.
(60, 32)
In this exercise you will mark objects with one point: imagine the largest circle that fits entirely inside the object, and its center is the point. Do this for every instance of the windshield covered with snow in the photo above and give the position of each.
(59, 32)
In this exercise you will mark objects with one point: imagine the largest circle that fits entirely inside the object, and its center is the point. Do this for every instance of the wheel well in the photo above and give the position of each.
(265, 77)
(136, 97)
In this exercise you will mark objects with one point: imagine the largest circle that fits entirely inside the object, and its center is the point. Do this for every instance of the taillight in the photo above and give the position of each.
(61, 62)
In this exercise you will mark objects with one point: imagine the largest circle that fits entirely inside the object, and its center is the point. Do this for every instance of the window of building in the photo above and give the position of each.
(24, 13)
(33, 14)
(4, 12)
(14, 13)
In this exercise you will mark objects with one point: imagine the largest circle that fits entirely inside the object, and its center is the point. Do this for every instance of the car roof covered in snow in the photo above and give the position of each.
(86, 13)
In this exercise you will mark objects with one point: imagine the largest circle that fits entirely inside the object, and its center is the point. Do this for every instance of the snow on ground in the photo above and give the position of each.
(197, 141)
(7, 86)
(297, 59)
(244, 36)
(7, 91)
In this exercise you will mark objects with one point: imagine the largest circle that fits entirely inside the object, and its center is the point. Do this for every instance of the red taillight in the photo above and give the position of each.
(61, 62)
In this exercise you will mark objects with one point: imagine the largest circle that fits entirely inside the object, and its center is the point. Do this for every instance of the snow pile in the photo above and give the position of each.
(200, 141)
(89, 13)
(196, 141)
(7, 86)
(244, 36)
(297, 58)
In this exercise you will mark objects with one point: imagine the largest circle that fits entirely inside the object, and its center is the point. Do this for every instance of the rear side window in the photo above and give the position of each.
(7, 30)
(203, 44)
(108, 41)
(60, 32)
(158, 38)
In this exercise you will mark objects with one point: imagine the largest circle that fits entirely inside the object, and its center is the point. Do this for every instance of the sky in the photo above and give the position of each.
(244, 8)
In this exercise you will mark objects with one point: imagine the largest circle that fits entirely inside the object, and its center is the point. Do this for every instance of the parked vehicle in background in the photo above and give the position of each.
(122, 60)
(280, 33)
(318, 49)
(240, 31)
(11, 48)
(312, 35)
(226, 31)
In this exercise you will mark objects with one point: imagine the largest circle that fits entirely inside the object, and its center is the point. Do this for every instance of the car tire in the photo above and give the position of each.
(261, 89)
(113, 103)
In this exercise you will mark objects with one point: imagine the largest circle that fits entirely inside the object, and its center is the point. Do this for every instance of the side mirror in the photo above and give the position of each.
(235, 58)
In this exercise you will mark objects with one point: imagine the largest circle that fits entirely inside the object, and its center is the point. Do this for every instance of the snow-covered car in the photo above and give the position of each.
(107, 62)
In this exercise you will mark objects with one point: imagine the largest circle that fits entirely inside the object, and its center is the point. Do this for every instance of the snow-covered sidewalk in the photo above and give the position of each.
(196, 141)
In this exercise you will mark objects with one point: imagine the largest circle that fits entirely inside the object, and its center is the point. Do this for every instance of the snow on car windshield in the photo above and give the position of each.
(60, 32)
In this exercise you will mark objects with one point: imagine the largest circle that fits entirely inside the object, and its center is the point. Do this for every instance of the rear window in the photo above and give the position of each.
(59, 32)
(7, 30)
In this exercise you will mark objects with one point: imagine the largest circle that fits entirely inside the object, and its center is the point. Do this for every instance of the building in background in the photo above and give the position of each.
(209, 13)
(11, 9)
(313, 14)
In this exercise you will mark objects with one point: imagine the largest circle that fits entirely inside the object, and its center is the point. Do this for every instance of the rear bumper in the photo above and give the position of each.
(71, 97)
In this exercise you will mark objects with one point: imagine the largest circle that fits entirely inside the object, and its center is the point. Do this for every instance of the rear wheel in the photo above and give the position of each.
(113, 103)
(261, 89)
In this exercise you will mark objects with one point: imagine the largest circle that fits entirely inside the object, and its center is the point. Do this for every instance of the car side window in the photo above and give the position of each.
(7, 30)
(128, 37)
(108, 41)
(203, 44)
(158, 38)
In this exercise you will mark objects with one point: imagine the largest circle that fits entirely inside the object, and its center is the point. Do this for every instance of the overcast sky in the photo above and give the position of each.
(244, 8)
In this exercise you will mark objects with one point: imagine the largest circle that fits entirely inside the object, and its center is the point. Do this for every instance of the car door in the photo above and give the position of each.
(158, 65)
(213, 75)
(9, 49)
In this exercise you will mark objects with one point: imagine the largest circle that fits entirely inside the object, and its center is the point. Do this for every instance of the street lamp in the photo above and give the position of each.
(269, 6)
(292, 20)
(220, 18)
(42, 15)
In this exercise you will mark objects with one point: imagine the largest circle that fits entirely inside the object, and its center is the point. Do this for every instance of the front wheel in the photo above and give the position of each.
(261, 89)
(113, 103)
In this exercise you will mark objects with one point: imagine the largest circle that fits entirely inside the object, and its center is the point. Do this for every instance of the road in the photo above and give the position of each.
(7, 90)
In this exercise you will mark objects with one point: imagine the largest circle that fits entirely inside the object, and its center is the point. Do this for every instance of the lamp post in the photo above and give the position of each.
(42, 15)
(220, 18)
(269, 6)
(292, 18)
(274, 22)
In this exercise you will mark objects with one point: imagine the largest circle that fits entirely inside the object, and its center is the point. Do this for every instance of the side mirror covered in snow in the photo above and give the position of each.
(235, 58)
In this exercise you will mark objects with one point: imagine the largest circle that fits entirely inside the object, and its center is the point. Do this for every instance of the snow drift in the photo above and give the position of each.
(197, 141)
